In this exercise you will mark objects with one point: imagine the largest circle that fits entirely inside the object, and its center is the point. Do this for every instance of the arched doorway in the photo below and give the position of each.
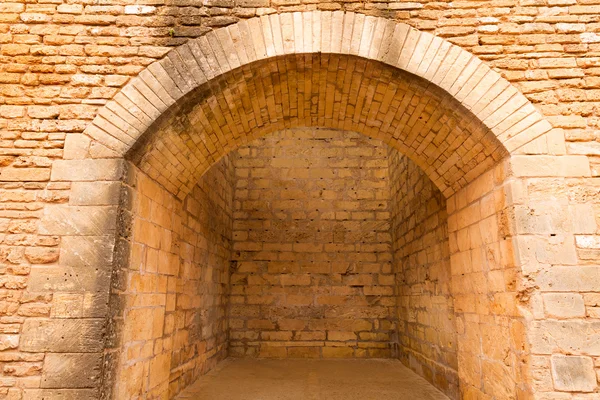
(441, 107)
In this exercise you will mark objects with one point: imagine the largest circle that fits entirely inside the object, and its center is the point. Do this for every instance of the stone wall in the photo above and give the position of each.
(489, 295)
(559, 254)
(312, 244)
(61, 62)
(426, 323)
(80, 53)
(172, 324)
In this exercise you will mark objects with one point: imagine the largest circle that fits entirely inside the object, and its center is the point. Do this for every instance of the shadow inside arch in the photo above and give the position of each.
(335, 91)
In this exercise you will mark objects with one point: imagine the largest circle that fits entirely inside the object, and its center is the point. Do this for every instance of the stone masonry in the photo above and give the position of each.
(170, 293)
(312, 248)
(425, 307)
(118, 122)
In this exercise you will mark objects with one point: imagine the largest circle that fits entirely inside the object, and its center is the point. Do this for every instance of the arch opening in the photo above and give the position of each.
(303, 243)
(314, 242)
(444, 109)
(520, 238)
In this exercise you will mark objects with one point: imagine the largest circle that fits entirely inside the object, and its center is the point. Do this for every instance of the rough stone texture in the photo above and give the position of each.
(312, 250)
(63, 370)
(573, 373)
(426, 321)
(493, 349)
(171, 326)
(564, 305)
(364, 96)
(61, 63)
(63, 335)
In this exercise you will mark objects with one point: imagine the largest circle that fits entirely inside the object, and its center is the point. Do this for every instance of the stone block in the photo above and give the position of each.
(59, 219)
(24, 174)
(541, 166)
(60, 394)
(558, 249)
(87, 252)
(568, 336)
(588, 242)
(584, 148)
(110, 169)
(573, 373)
(8, 342)
(159, 369)
(583, 219)
(67, 305)
(144, 324)
(41, 255)
(63, 335)
(95, 193)
(43, 111)
(580, 278)
(66, 279)
(66, 370)
(85, 264)
(564, 305)
(337, 352)
(542, 219)
(12, 111)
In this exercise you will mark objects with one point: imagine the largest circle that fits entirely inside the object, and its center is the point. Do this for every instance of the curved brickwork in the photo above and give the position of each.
(523, 237)
(487, 96)
(332, 91)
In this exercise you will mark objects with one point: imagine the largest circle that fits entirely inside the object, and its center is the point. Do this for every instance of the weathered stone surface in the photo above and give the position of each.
(95, 193)
(86, 260)
(76, 146)
(551, 166)
(571, 337)
(87, 170)
(564, 305)
(24, 174)
(573, 373)
(67, 279)
(60, 394)
(87, 252)
(41, 255)
(8, 342)
(72, 371)
(179, 260)
(79, 305)
(283, 294)
(63, 335)
(62, 62)
(446, 177)
(78, 220)
(577, 279)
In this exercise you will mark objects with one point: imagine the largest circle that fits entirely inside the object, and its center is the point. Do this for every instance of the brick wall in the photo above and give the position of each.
(426, 323)
(61, 62)
(311, 240)
(174, 295)
(83, 52)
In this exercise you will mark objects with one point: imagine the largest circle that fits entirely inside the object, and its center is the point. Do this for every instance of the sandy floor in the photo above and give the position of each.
(251, 379)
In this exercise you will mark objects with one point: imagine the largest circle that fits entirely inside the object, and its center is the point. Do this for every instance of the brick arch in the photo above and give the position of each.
(331, 91)
(461, 84)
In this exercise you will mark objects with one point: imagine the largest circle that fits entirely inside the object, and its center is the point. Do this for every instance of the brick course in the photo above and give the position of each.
(426, 318)
(312, 247)
(171, 324)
